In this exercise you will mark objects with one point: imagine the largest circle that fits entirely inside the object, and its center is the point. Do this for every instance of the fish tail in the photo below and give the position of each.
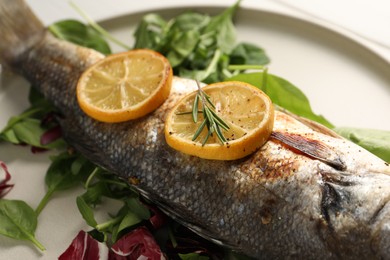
(19, 30)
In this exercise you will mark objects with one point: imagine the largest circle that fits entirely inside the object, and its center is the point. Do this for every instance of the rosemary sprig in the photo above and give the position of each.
(213, 122)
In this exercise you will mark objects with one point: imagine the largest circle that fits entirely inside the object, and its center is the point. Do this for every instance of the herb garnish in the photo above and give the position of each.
(214, 123)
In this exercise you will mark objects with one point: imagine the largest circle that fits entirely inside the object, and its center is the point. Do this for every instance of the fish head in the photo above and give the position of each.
(356, 211)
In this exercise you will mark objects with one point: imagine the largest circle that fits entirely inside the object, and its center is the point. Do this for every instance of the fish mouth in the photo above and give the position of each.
(356, 214)
(380, 220)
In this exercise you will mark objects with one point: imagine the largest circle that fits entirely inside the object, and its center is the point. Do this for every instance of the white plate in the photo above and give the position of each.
(344, 81)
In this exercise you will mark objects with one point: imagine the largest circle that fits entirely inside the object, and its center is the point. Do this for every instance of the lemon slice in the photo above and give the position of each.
(247, 111)
(125, 86)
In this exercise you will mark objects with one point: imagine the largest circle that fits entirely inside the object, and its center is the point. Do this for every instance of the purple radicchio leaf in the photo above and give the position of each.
(137, 244)
(51, 135)
(84, 247)
(5, 187)
(158, 219)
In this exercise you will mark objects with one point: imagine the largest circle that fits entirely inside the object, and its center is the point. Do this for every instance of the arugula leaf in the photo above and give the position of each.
(86, 211)
(81, 34)
(222, 28)
(375, 141)
(282, 93)
(19, 221)
(60, 176)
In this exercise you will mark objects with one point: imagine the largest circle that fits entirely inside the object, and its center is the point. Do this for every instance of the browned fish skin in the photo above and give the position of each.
(304, 194)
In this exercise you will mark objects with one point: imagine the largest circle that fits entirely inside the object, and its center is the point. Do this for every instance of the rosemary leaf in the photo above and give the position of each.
(195, 109)
(221, 137)
(207, 97)
(220, 121)
(206, 138)
(199, 130)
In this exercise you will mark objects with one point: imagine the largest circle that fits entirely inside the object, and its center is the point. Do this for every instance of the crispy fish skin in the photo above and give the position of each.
(304, 194)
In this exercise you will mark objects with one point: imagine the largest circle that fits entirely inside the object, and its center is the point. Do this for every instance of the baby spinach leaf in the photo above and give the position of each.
(30, 130)
(183, 44)
(191, 41)
(283, 93)
(81, 34)
(19, 221)
(150, 32)
(190, 21)
(27, 128)
(221, 26)
(248, 54)
(375, 141)
(9, 136)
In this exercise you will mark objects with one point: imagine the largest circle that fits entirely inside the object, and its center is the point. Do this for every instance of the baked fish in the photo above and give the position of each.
(307, 193)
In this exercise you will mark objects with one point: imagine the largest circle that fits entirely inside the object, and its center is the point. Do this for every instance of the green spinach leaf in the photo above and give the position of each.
(81, 34)
(19, 221)
(222, 28)
(248, 54)
(283, 93)
(60, 176)
(375, 141)
(150, 32)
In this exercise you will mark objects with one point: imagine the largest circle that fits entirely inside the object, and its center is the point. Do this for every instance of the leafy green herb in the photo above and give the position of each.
(86, 211)
(221, 28)
(376, 141)
(197, 45)
(101, 184)
(64, 172)
(19, 221)
(283, 93)
(29, 131)
(81, 34)
(248, 54)
(150, 32)
(27, 128)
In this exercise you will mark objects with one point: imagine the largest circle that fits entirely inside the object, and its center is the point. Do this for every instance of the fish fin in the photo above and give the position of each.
(187, 220)
(311, 124)
(312, 148)
(19, 29)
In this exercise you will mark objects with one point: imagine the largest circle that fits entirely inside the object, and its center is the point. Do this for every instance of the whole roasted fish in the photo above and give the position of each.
(306, 193)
